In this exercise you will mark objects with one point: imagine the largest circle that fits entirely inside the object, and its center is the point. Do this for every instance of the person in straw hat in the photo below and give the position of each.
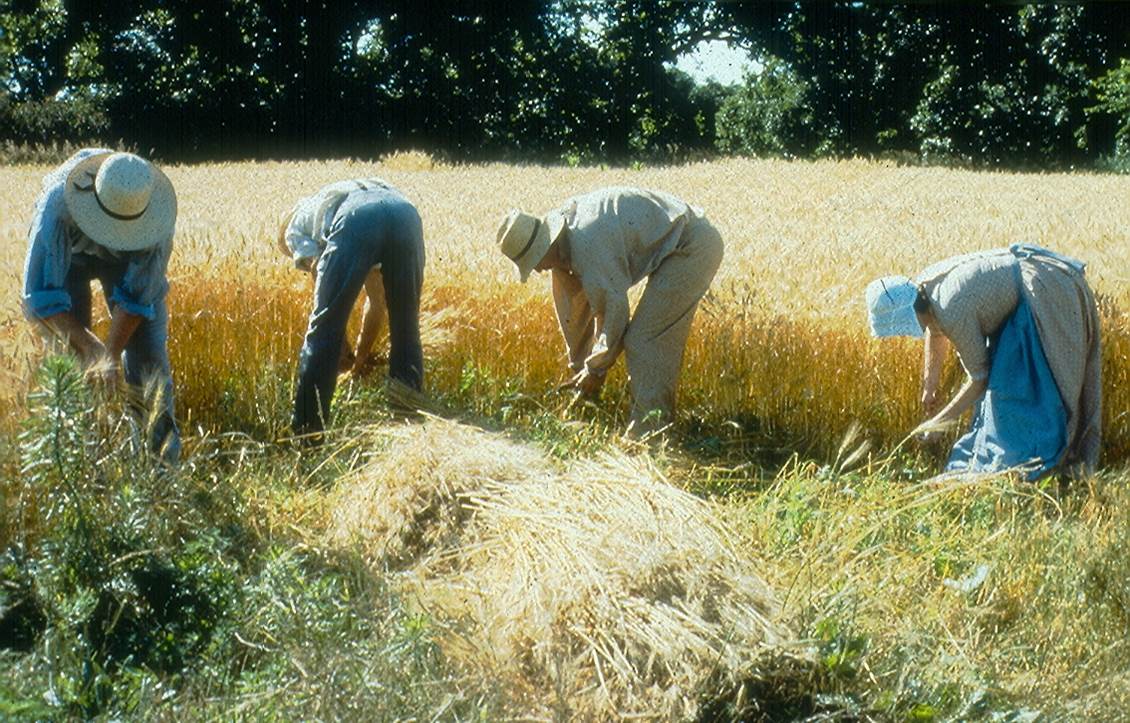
(598, 245)
(1025, 327)
(351, 235)
(108, 217)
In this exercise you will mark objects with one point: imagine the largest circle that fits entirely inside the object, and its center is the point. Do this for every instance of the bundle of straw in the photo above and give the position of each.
(596, 591)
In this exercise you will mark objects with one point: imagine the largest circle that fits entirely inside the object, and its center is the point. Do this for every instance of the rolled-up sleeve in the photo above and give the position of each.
(145, 282)
(575, 317)
(300, 232)
(48, 259)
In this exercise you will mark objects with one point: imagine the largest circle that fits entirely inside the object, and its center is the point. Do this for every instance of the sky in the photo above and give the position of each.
(716, 60)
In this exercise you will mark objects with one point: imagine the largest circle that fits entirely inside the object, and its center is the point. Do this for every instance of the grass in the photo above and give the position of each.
(905, 598)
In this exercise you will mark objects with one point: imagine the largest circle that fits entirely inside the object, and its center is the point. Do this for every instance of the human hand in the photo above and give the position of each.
(366, 364)
(587, 383)
(106, 372)
(931, 432)
(91, 350)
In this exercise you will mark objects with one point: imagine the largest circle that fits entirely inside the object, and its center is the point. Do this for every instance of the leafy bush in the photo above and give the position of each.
(124, 575)
(770, 115)
(1112, 96)
(50, 130)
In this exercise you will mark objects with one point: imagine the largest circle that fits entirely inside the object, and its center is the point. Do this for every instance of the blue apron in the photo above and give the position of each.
(1021, 422)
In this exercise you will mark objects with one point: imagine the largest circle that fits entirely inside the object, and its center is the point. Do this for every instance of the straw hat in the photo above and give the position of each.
(121, 201)
(890, 307)
(525, 239)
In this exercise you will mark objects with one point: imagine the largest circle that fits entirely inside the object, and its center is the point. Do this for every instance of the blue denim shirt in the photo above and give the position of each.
(54, 237)
(312, 219)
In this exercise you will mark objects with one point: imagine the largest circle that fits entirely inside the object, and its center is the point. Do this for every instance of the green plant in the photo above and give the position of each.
(119, 588)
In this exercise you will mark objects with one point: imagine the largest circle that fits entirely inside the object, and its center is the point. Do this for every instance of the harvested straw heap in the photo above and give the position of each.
(597, 591)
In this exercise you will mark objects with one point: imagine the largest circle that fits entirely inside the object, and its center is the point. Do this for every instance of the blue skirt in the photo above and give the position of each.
(1021, 422)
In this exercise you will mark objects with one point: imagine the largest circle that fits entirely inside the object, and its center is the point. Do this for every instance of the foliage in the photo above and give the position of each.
(139, 594)
(768, 115)
(576, 80)
(43, 122)
(119, 587)
(1112, 96)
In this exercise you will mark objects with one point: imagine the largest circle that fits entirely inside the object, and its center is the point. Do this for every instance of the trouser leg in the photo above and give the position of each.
(657, 334)
(402, 271)
(147, 370)
(341, 274)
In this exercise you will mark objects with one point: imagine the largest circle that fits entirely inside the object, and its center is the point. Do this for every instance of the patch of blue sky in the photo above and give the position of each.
(717, 60)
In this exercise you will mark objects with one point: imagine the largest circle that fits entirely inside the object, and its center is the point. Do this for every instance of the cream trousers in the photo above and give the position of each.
(657, 334)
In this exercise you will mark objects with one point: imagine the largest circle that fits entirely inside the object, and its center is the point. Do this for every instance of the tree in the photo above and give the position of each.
(770, 115)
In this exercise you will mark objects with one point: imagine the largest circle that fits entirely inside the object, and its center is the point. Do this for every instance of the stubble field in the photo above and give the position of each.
(903, 597)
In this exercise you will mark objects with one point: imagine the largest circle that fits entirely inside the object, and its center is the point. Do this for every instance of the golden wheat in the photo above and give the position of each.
(598, 591)
(780, 343)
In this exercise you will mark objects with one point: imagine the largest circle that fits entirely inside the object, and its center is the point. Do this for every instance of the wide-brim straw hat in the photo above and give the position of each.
(121, 201)
(525, 239)
(890, 307)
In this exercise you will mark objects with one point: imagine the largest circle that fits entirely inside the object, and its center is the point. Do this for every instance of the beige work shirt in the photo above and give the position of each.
(971, 297)
(616, 236)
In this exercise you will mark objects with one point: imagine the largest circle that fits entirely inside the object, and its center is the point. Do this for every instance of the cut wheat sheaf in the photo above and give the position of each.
(598, 586)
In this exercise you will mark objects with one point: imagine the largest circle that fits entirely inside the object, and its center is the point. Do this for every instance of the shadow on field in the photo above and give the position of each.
(791, 690)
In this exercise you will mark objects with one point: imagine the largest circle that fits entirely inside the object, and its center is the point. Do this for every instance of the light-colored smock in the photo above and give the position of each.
(615, 237)
(53, 239)
(973, 296)
(311, 222)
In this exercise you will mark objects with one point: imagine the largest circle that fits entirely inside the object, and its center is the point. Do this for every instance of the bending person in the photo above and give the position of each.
(353, 235)
(600, 244)
(1025, 327)
(108, 217)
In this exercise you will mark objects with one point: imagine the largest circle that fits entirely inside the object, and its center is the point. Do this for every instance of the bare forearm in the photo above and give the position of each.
(67, 327)
(372, 323)
(122, 327)
(934, 351)
(373, 319)
(965, 398)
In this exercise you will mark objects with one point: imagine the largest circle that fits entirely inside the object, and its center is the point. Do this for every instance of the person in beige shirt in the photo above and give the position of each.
(1025, 327)
(597, 246)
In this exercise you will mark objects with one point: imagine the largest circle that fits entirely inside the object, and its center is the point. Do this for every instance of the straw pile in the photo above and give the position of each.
(597, 591)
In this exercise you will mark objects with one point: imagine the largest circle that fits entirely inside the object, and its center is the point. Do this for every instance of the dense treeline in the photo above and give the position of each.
(573, 80)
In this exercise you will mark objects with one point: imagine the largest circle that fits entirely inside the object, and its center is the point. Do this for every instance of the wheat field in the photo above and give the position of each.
(780, 345)
(572, 569)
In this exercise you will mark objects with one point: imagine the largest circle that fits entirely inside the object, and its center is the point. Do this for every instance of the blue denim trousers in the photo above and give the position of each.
(145, 361)
(377, 226)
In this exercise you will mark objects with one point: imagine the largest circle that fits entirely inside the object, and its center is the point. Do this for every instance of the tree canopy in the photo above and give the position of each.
(574, 80)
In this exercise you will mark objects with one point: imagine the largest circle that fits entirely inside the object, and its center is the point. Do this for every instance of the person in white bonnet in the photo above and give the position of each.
(108, 217)
(600, 244)
(1025, 327)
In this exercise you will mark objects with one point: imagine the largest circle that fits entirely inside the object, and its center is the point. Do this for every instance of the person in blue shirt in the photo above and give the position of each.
(351, 235)
(108, 217)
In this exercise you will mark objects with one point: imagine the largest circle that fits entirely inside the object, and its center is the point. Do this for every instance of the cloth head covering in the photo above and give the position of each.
(525, 239)
(890, 307)
(121, 201)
